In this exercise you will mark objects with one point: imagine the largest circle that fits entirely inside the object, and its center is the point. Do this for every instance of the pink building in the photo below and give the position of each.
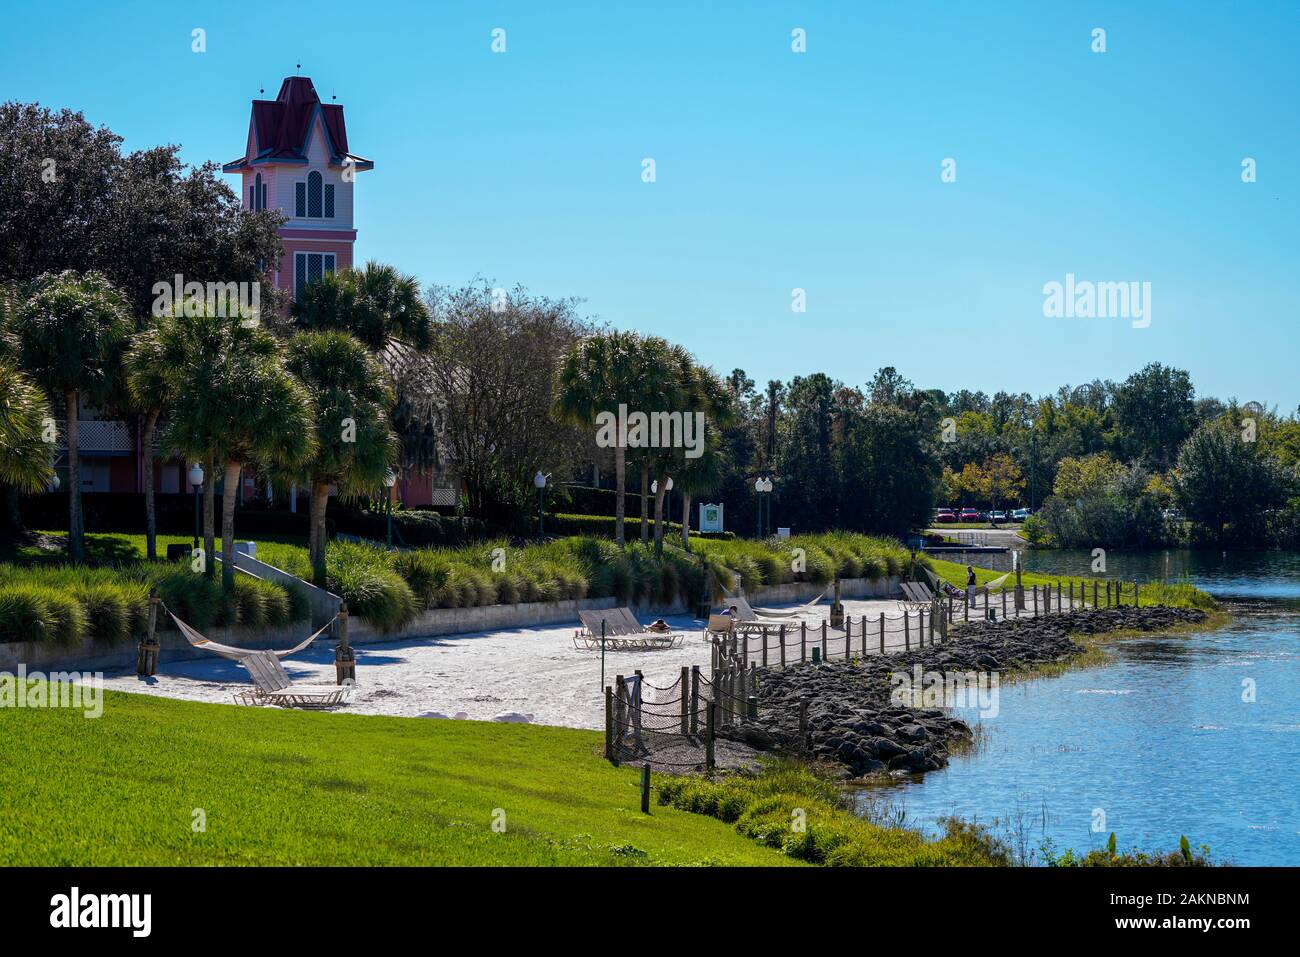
(296, 160)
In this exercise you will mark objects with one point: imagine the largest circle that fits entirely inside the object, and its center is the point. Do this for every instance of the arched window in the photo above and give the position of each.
(259, 194)
(313, 195)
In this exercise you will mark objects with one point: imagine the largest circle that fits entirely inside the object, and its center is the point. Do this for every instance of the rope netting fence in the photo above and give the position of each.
(677, 726)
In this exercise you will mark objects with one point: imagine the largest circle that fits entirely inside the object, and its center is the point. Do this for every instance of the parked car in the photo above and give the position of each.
(997, 516)
(1020, 514)
(969, 515)
(945, 515)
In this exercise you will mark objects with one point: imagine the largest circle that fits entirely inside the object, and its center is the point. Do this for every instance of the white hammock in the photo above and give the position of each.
(749, 613)
(236, 654)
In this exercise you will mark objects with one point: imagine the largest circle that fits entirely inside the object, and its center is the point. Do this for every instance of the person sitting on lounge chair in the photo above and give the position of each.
(658, 625)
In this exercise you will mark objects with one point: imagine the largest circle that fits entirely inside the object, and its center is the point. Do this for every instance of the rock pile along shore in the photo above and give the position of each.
(852, 721)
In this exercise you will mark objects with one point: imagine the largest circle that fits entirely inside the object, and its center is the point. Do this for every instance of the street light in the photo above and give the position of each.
(539, 483)
(668, 499)
(390, 479)
(763, 486)
(196, 480)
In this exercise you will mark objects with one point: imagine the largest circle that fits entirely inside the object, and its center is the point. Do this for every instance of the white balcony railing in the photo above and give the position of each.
(104, 435)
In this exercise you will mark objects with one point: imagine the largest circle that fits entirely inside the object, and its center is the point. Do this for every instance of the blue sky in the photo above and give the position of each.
(778, 170)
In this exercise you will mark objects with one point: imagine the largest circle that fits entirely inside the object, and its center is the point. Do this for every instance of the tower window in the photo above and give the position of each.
(313, 195)
(329, 200)
(309, 268)
(300, 200)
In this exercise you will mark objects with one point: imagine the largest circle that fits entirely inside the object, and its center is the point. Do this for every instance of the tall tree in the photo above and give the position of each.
(150, 387)
(1155, 412)
(24, 453)
(600, 372)
(355, 444)
(1226, 484)
(71, 333)
(375, 304)
(248, 410)
(489, 381)
(70, 199)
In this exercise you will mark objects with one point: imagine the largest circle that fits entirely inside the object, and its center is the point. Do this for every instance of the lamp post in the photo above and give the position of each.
(763, 486)
(390, 479)
(539, 483)
(196, 480)
(668, 499)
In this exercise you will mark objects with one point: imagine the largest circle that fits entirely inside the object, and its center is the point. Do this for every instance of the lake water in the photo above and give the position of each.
(1158, 740)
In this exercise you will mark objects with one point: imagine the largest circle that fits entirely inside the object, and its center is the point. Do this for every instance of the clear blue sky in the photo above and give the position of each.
(778, 170)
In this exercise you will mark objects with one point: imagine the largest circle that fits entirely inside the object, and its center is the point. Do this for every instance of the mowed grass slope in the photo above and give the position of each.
(294, 788)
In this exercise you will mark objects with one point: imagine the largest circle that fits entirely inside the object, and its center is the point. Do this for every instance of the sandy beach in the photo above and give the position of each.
(527, 671)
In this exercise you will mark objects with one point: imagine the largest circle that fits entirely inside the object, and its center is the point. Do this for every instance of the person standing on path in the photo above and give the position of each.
(970, 585)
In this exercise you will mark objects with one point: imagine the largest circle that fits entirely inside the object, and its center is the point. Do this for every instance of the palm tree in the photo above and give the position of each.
(24, 454)
(235, 404)
(70, 335)
(146, 367)
(376, 304)
(355, 445)
(698, 390)
(600, 372)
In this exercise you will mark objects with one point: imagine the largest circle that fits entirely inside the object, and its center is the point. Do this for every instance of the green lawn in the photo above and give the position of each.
(1150, 593)
(123, 547)
(294, 788)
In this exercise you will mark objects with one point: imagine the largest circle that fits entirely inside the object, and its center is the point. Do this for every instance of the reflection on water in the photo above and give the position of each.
(1161, 741)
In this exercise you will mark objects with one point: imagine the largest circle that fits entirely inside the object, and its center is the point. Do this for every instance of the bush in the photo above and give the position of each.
(762, 807)
(35, 612)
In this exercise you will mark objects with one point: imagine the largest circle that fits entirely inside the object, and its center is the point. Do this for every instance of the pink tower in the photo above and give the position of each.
(297, 161)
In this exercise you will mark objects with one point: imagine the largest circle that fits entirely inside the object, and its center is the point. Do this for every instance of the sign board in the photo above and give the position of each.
(783, 533)
(711, 517)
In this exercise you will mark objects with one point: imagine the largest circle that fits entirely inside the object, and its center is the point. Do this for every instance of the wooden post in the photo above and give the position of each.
(146, 661)
(686, 700)
(1034, 588)
(1135, 593)
(609, 723)
(783, 645)
(824, 658)
(1004, 604)
(907, 638)
(695, 700)
(882, 632)
(710, 720)
(645, 788)
(803, 641)
(744, 647)
(1058, 596)
(345, 659)
(864, 635)
(932, 625)
(765, 642)
(1072, 594)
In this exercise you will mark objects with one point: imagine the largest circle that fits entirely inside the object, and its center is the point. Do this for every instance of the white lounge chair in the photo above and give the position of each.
(274, 686)
(621, 632)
